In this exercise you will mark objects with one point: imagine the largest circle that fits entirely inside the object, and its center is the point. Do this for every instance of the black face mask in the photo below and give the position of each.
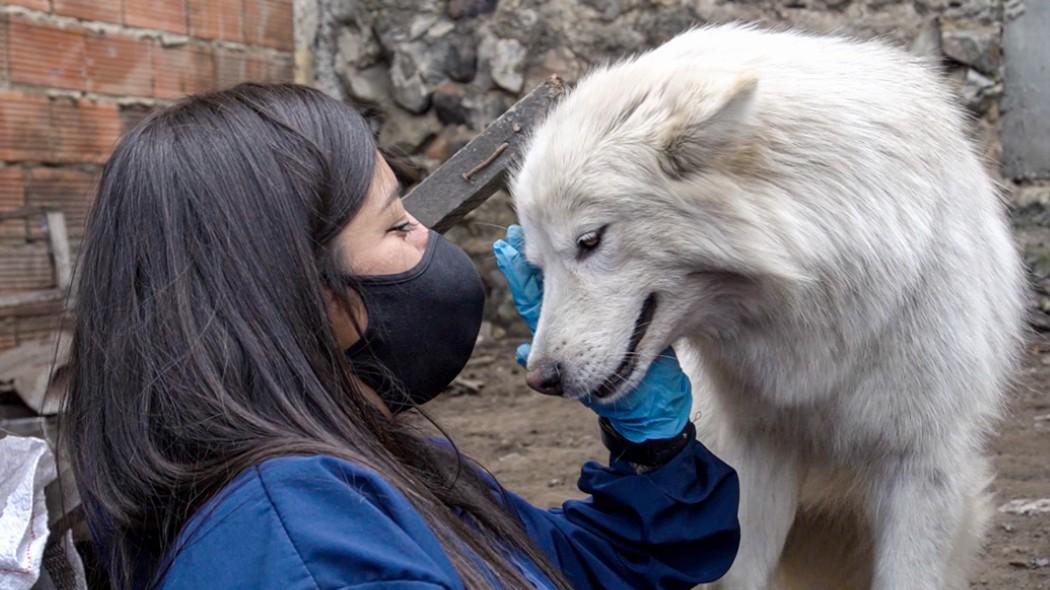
(422, 326)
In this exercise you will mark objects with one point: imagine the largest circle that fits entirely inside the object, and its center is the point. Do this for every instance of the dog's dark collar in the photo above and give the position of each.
(647, 455)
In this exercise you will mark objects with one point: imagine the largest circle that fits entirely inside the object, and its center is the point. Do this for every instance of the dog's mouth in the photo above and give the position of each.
(630, 359)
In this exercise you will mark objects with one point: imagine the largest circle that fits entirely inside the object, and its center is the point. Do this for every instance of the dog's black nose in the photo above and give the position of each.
(545, 378)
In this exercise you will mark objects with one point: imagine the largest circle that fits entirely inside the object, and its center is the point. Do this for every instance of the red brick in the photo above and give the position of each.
(3, 48)
(12, 196)
(182, 70)
(281, 70)
(44, 5)
(45, 55)
(101, 10)
(233, 67)
(166, 15)
(216, 19)
(25, 128)
(119, 65)
(85, 131)
(25, 266)
(256, 68)
(269, 23)
(69, 190)
(230, 68)
(132, 114)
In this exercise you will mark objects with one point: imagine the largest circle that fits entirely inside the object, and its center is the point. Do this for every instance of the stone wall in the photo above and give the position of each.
(434, 72)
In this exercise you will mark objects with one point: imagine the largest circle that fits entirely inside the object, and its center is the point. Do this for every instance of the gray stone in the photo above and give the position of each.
(347, 12)
(506, 60)
(420, 25)
(408, 88)
(486, 107)
(447, 101)
(414, 72)
(458, 9)
(316, 45)
(558, 61)
(978, 48)
(974, 10)
(1026, 103)
(1012, 9)
(358, 48)
(371, 85)
(655, 27)
(977, 90)
(607, 9)
(440, 29)
(461, 59)
(1028, 195)
(927, 43)
(400, 21)
(409, 134)
(513, 24)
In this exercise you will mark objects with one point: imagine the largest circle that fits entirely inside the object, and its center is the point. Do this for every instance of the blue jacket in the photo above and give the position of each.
(317, 522)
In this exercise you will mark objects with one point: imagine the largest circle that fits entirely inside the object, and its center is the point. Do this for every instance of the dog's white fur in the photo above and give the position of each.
(834, 267)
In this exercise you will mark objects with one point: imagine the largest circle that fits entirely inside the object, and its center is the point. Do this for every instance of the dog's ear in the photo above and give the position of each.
(702, 119)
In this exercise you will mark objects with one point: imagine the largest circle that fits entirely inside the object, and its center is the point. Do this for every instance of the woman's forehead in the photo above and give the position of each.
(384, 183)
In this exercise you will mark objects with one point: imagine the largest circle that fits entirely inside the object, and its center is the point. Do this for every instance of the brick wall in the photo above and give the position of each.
(74, 75)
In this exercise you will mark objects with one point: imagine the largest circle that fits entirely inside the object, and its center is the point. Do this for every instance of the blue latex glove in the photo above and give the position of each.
(525, 280)
(657, 408)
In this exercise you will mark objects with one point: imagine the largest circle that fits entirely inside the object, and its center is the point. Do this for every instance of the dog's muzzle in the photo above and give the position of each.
(630, 358)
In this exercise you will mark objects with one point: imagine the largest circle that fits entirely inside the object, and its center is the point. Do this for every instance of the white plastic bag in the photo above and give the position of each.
(26, 467)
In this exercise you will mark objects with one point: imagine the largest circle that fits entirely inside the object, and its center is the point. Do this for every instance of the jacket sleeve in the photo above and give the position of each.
(672, 527)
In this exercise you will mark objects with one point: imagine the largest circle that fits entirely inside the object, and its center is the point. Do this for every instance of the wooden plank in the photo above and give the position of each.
(59, 240)
(8, 339)
(29, 299)
(12, 197)
(30, 328)
(481, 168)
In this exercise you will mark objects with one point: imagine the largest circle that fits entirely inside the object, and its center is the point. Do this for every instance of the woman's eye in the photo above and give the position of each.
(404, 227)
(589, 241)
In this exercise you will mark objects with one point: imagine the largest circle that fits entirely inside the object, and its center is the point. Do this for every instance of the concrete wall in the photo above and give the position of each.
(1026, 103)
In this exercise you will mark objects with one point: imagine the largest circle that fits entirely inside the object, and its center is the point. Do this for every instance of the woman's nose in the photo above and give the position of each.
(545, 378)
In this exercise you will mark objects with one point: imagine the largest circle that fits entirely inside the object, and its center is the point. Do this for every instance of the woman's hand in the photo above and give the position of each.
(658, 408)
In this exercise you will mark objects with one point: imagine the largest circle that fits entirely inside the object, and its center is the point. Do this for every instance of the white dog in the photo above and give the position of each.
(805, 219)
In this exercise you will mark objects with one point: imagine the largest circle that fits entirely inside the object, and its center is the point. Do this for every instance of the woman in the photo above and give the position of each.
(255, 308)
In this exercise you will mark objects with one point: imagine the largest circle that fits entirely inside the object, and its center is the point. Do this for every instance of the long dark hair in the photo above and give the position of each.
(201, 343)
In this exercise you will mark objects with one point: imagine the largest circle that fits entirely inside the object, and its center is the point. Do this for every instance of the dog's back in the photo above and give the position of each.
(879, 351)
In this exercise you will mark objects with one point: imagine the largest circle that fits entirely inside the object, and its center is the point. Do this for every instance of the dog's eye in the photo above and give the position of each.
(589, 241)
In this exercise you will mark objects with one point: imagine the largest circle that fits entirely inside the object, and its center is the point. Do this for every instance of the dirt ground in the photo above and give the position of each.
(535, 445)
